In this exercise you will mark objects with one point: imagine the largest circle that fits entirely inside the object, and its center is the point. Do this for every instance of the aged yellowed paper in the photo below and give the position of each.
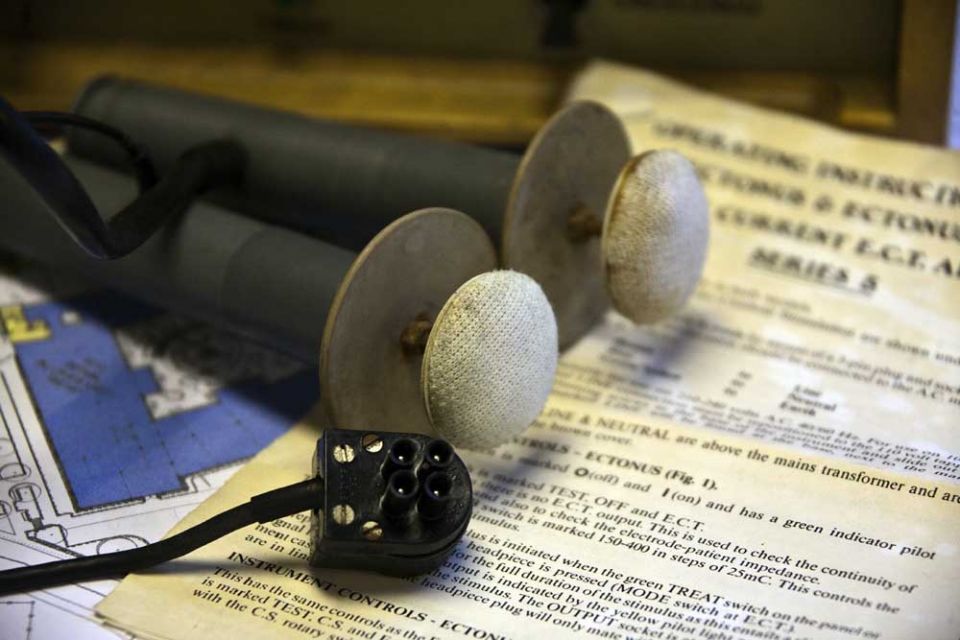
(781, 461)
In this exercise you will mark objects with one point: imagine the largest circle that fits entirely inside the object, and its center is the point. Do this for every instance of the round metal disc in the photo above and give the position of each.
(573, 162)
(409, 270)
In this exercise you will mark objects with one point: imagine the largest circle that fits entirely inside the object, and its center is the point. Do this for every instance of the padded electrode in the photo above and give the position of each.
(490, 360)
(655, 236)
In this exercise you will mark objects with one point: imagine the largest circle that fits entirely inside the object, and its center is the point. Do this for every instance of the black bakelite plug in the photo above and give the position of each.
(395, 503)
(369, 510)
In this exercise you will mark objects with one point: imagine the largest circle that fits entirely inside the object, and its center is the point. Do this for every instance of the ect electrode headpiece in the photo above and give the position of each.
(591, 225)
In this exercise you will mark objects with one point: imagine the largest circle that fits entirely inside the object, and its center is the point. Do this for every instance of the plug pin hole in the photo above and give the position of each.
(404, 483)
(439, 453)
(439, 485)
(404, 452)
(401, 456)
(401, 494)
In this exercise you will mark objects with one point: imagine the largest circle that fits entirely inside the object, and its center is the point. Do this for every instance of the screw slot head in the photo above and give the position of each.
(371, 443)
(372, 531)
(343, 514)
(344, 453)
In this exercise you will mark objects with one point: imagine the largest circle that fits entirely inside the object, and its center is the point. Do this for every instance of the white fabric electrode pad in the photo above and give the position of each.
(655, 236)
(490, 360)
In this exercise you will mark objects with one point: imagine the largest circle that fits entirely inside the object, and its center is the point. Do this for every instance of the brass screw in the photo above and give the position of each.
(372, 531)
(371, 443)
(415, 335)
(344, 453)
(583, 224)
(343, 514)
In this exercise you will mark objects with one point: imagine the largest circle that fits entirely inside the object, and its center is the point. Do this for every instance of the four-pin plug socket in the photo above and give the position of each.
(395, 503)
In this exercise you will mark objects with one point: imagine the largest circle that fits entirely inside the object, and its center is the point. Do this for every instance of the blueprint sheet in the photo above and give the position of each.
(116, 419)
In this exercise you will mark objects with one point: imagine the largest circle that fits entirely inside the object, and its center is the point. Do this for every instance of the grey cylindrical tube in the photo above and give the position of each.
(368, 177)
(271, 283)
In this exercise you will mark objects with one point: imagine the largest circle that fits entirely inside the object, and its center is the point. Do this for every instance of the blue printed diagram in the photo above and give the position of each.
(107, 404)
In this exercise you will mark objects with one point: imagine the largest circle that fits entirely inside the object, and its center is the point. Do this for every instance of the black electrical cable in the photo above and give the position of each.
(199, 168)
(143, 166)
(265, 507)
